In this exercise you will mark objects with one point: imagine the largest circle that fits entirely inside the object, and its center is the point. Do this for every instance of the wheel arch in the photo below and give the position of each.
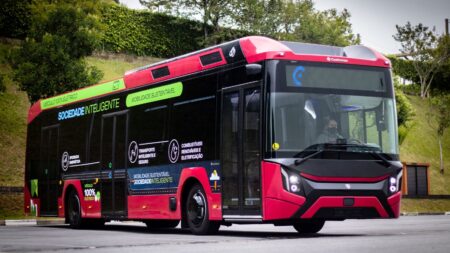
(188, 178)
(69, 187)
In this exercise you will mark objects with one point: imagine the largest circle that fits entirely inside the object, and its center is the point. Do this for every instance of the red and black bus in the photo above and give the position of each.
(249, 131)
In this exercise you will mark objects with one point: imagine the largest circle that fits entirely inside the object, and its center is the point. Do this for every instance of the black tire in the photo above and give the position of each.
(197, 212)
(161, 224)
(74, 211)
(311, 226)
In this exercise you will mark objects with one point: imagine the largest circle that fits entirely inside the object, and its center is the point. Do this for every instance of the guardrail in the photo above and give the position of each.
(11, 189)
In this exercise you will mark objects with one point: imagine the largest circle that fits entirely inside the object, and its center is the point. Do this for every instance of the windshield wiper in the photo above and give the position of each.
(297, 162)
(369, 149)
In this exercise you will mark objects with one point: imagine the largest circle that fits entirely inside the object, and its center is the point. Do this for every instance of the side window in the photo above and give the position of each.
(193, 127)
(148, 127)
(193, 119)
(73, 139)
(94, 138)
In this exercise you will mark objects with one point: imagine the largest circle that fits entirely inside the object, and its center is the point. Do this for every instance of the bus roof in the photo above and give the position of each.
(250, 49)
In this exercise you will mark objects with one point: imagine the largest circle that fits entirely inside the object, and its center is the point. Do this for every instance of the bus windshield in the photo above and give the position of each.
(332, 108)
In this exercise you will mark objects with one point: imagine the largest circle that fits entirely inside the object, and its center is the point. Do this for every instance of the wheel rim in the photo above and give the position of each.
(74, 210)
(197, 208)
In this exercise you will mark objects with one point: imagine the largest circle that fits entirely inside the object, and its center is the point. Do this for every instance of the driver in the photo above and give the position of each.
(330, 133)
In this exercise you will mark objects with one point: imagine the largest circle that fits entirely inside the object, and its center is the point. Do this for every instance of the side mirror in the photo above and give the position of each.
(253, 69)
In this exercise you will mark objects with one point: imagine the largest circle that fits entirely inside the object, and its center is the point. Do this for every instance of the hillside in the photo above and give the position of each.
(420, 145)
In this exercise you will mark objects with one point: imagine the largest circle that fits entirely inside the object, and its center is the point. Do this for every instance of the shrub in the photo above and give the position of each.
(404, 108)
(2, 85)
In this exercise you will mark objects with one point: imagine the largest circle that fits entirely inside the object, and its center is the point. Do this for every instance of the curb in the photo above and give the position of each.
(32, 222)
(61, 221)
(424, 213)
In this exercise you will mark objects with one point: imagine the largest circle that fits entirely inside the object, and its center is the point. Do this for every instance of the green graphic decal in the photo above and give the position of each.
(34, 188)
(82, 94)
(154, 94)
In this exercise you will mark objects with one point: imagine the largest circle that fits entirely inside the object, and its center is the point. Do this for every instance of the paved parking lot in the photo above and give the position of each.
(407, 234)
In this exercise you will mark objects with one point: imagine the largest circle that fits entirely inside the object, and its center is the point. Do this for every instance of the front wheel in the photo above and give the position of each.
(197, 213)
(309, 226)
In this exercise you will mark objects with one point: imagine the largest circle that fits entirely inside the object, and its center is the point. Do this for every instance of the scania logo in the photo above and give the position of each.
(232, 52)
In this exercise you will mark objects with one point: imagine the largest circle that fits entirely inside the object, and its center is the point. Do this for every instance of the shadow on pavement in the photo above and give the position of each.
(271, 235)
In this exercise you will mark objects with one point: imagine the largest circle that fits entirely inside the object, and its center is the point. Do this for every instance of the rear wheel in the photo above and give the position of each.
(309, 226)
(74, 211)
(159, 224)
(197, 213)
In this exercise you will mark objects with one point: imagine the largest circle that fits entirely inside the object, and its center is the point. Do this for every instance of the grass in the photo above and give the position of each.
(11, 206)
(116, 67)
(425, 205)
(13, 114)
(421, 145)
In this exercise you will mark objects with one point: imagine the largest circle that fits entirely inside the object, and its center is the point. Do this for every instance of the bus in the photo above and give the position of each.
(249, 131)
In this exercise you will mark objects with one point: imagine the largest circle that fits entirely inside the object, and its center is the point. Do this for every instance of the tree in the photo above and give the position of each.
(162, 6)
(440, 115)
(212, 13)
(14, 18)
(51, 60)
(295, 20)
(426, 49)
(327, 27)
(261, 17)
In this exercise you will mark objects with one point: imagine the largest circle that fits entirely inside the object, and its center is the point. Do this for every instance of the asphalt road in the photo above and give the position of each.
(407, 234)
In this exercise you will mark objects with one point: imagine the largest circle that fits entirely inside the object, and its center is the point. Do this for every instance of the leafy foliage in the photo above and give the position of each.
(2, 85)
(15, 17)
(145, 33)
(329, 27)
(155, 34)
(405, 112)
(281, 19)
(51, 61)
(441, 114)
(403, 68)
(404, 108)
(211, 14)
(426, 49)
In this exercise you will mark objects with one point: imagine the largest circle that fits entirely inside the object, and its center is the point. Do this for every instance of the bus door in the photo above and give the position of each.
(49, 173)
(113, 162)
(241, 158)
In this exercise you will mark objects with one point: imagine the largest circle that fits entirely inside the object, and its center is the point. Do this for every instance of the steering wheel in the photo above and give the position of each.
(354, 141)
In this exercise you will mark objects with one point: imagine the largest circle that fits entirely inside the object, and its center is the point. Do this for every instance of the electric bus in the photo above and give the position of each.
(249, 131)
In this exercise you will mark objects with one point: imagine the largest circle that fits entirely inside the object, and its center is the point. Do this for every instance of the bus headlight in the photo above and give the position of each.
(393, 184)
(294, 179)
(291, 182)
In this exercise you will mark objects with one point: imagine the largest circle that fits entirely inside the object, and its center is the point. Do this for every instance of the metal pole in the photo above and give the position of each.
(446, 26)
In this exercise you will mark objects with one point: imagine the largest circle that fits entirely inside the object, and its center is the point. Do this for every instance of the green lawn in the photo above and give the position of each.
(425, 205)
(11, 206)
(115, 68)
(13, 113)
